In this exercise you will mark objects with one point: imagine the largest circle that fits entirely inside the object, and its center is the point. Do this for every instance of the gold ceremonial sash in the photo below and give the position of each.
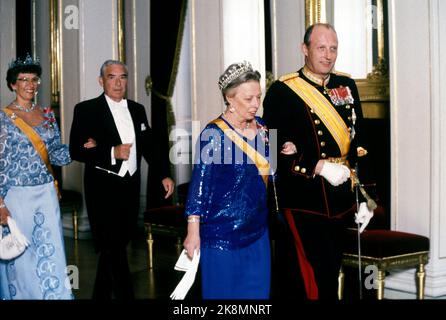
(259, 160)
(36, 141)
(324, 109)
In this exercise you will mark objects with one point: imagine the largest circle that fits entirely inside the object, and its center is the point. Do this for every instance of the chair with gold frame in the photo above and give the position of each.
(71, 202)
(167, 220)
(387, 250)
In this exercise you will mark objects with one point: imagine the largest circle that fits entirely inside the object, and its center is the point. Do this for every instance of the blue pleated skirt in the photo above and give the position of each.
(237, 274)
(40, 272)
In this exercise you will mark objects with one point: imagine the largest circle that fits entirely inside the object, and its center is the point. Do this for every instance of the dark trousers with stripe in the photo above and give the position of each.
(323, 241)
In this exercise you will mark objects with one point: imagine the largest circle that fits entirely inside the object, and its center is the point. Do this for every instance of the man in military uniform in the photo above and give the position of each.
(317, 114)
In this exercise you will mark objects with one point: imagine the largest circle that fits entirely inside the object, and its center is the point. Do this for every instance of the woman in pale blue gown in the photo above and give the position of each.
(28, 193)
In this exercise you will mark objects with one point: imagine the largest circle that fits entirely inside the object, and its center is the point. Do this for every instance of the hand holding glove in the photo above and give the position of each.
(335, 173)
(363, 216)
(190, 267)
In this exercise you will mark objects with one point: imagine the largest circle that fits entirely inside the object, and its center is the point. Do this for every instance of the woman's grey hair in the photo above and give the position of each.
(110, 63)
(235, 75)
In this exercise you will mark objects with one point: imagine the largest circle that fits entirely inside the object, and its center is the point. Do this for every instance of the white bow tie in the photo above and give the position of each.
(120, 104)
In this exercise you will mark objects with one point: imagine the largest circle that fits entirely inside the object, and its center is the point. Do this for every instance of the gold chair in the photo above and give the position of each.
(386, 250)
(71, 201)
(168, 220)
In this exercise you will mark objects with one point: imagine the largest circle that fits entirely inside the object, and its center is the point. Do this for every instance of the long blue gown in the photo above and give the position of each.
(229, 195)
(30, 196)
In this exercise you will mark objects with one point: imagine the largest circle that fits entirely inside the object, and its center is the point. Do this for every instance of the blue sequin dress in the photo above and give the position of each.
(30, 196)
(230, 197)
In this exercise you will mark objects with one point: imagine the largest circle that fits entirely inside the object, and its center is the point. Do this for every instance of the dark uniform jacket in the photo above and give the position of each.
(295, 121)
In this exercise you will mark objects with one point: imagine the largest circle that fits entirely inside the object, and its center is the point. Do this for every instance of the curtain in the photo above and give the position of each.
(166, 32)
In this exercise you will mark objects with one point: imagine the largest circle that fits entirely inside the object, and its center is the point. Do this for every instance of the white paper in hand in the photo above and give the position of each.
(189, 277)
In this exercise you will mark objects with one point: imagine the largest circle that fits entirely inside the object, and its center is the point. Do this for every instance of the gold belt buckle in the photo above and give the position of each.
(339, 160)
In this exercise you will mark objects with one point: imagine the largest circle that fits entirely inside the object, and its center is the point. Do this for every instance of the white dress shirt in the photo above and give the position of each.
(124, 123)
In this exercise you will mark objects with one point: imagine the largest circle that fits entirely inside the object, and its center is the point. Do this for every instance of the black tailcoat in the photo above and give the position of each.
(112, 201)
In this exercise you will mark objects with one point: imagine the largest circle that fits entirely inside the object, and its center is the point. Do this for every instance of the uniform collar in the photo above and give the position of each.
(314, 78)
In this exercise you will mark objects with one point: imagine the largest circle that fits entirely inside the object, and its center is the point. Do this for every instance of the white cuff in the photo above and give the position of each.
(113, 159)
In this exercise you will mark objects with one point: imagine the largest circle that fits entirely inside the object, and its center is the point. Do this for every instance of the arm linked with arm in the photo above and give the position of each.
(286, 112)
(83, 128)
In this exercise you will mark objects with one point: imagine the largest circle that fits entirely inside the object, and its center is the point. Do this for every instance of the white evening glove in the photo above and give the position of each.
(363, 216)
(190, 266)
(183, 262)
(335, 173)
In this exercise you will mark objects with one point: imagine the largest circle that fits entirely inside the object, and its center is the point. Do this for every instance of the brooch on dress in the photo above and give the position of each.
(263, 131)
(340, 96)
(49, 119)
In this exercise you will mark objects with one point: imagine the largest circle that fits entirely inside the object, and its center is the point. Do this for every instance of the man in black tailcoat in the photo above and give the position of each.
(118, 135)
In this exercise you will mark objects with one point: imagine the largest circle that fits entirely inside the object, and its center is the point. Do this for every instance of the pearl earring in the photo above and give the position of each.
(231, 109)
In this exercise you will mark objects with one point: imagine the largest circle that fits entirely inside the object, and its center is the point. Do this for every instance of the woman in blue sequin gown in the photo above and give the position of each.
(28, 193)
(227, 200)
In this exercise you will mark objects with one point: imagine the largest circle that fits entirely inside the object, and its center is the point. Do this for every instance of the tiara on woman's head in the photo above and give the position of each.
(233, 73)
(28, 61)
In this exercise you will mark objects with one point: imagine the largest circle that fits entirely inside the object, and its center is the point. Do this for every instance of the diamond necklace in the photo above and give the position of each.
(247, 125)
(19, 107)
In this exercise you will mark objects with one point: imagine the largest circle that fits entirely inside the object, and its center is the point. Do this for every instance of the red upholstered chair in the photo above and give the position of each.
(386, 249)
(167, 220)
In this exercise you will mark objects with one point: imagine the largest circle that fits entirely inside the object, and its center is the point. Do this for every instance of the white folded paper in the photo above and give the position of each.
(190, 267)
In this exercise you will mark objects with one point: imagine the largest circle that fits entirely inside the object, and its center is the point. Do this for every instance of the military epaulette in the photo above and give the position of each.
(344, 74)
(289, 76)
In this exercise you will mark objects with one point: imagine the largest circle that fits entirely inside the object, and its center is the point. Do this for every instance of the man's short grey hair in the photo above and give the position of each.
(110, 63)
(309, 31)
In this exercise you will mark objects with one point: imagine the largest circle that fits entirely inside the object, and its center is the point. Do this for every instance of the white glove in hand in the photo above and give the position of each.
(363, 216)
(189, 277)
(335, 173)
(183, 262)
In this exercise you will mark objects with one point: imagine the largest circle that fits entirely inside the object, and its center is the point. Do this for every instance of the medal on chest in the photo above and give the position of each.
(340, 96)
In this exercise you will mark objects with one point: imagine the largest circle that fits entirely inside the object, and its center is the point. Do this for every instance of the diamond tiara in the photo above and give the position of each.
(233, 73)
(27, 62)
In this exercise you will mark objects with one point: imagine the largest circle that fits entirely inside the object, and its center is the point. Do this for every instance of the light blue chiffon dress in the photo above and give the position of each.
(29, 193)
